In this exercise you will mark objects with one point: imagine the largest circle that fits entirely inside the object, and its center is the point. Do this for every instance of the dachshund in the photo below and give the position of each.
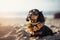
(35, 24)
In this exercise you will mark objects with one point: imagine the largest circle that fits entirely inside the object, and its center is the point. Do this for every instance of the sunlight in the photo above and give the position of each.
(7, 6)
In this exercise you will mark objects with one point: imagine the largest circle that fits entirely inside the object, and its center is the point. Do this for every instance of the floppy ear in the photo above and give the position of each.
(41, 18)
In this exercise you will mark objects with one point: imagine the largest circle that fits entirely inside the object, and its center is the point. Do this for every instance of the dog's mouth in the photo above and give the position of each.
(34, 18)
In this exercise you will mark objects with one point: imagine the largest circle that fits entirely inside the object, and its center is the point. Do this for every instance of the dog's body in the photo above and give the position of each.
(44, 31)
(38, 29)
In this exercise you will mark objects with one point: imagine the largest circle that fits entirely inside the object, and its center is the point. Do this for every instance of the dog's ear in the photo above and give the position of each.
(41, 18)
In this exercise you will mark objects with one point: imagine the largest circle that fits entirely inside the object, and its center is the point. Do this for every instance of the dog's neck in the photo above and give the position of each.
(34, 22)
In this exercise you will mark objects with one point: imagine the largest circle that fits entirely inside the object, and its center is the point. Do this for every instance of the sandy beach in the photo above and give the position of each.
(8, 32)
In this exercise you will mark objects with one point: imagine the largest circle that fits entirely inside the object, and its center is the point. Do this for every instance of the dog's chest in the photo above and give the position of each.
(34, 27)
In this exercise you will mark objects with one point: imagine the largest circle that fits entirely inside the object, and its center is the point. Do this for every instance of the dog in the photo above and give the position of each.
(35, 24)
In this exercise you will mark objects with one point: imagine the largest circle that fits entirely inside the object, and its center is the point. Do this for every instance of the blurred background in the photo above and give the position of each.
(13, 13)
(19, 9)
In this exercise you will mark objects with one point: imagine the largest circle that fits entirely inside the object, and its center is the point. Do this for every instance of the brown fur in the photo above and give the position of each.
(38, 30)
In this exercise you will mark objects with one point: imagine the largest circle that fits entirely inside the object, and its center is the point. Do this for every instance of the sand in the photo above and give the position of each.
(10, 32)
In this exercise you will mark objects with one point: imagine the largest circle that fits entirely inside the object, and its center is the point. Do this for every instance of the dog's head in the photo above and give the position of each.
(35, 16)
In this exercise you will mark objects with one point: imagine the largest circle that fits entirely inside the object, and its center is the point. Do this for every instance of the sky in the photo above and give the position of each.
(12, 8)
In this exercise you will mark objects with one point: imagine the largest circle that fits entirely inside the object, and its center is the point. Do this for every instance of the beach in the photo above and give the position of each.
(9, 32)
